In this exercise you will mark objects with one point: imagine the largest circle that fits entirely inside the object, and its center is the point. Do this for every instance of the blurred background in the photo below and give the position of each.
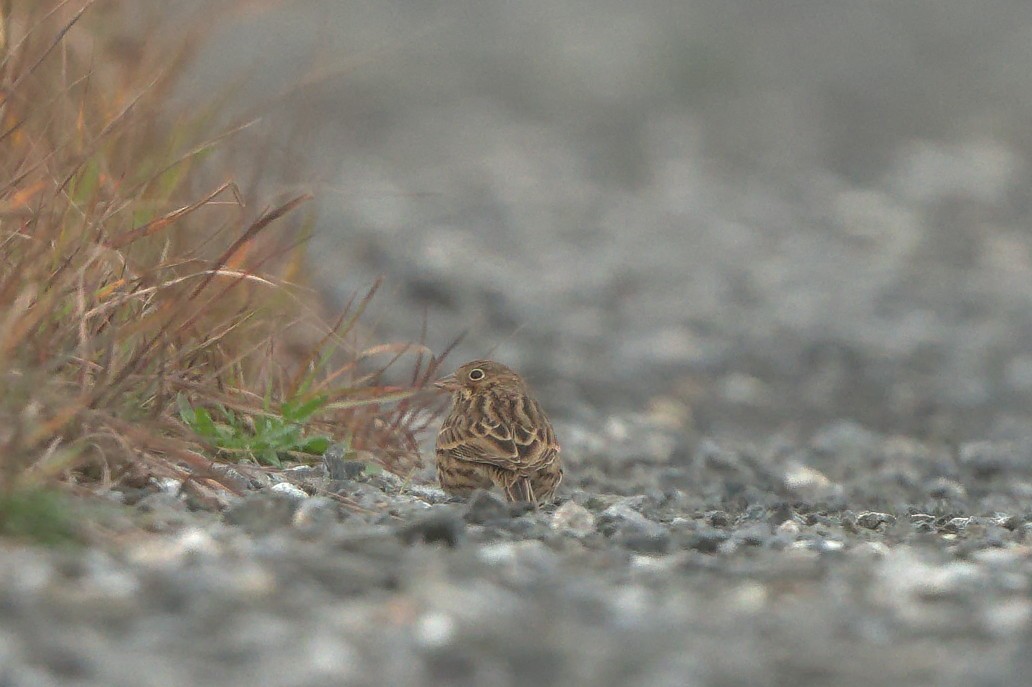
(734, 216)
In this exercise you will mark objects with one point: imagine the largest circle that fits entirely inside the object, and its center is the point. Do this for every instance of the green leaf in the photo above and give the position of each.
(186, 411)
(269, 457)
(228, 414)
(301, 413)
(226, 437)
(262, 424)
(203, 424)
(316, 445)
(285, 436)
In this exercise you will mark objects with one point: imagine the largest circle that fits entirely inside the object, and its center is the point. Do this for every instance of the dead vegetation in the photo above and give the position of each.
(153, 318)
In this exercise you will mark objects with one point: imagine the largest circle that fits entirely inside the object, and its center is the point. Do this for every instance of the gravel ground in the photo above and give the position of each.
(852, 559)
(769, 266)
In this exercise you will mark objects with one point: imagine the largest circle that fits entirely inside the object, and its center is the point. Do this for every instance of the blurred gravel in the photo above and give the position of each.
(771, 213)
(716, 567)
(768, 265)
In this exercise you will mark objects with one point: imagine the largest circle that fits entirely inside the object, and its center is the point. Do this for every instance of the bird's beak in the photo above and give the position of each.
(448, 383)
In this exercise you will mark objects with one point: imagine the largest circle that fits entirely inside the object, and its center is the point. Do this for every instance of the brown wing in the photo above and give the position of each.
(535, 436)
(509, 431)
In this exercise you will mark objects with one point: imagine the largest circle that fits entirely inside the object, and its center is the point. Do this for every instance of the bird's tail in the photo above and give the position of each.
(520, 489)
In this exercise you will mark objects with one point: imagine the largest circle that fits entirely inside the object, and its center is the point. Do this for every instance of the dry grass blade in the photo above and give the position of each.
(155, 225)
(261, 223)
(56, 41)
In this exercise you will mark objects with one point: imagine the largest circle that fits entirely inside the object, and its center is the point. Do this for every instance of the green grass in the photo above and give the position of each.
(269, 438)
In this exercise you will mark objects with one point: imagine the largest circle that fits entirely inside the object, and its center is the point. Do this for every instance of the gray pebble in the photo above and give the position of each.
(263, 512)
(573, 518)
(443, 525)
(485, 507)
(873, 520)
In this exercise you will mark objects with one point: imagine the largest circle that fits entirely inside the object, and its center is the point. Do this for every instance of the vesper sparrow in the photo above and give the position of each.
(496, 434)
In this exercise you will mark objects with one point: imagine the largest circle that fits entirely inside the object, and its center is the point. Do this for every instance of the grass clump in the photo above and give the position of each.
(267, 438)
(151, 315)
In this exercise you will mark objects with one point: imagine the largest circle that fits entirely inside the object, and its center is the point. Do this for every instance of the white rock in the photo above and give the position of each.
(573, 518)
(802, 477)
(435, 629)
(290, 490)
(789, 528)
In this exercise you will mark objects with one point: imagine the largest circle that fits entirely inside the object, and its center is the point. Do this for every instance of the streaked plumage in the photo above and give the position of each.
(496, 434)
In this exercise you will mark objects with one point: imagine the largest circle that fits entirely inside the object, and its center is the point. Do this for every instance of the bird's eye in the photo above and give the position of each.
(476, 374)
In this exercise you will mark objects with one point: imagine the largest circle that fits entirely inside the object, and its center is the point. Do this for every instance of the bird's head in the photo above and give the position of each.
(478, 375)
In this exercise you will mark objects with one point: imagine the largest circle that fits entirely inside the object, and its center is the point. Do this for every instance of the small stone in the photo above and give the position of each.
(444, 526)
(428, 493)
(654, 541)
(754, 535)
(573, 518)
(162, 512)
(353, 469)
(872, 520)
(870, 549)
(779, 513)
(192, 544)
(621, 516)
(954, 525)
(195, 542)
(846, 439)
(924, 527)
(299, 474)
(632, 529)
(520, 556)
(799, 477)
(728, 547)
(987, 458)
(1011, 522)
(523, 528)
(711, 455)
(316, 512)
(198, 498)
(828, 545)
(387, 482)
(943, 488)
(362, 494)
(408, 507)
(161, 502)
(484, 507)
(168, 485)
(263, 512)
(707, 540)
(789, 528)
(337, 467)
(435, 629)
(290, 491)
(718, 518)
(230, 474)
(743, 389)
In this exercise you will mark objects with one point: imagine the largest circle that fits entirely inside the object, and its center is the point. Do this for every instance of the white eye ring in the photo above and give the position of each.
(476, 374)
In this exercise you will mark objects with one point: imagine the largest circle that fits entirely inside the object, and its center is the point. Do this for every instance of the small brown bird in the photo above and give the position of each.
(496, 434)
